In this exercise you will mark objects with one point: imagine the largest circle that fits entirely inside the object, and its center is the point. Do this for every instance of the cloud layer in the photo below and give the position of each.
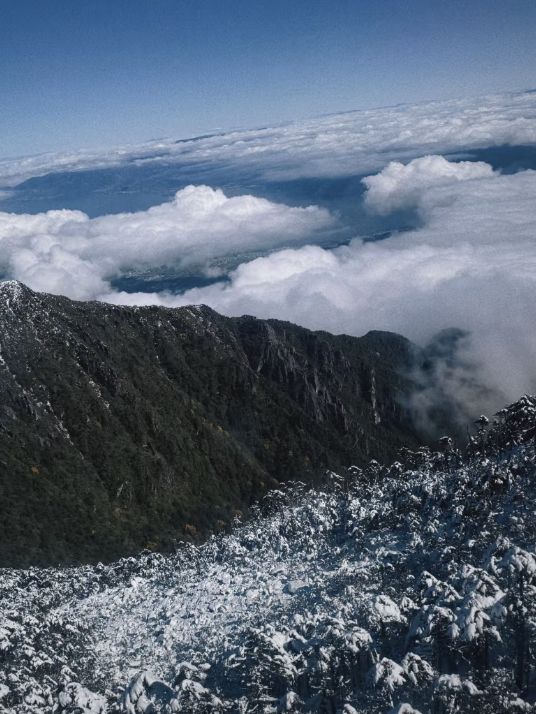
(335, 145)
(67, 252)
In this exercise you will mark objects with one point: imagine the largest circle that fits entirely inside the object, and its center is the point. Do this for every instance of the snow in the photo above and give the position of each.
(343, 596)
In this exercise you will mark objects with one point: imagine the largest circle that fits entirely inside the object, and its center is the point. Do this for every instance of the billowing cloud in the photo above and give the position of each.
(401, 186)
(339, 144)
(67, 252)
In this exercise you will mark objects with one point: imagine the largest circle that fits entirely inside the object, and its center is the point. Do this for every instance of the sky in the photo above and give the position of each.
(103, 73)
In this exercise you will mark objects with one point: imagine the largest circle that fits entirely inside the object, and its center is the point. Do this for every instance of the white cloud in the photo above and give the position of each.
(401, 186)
(66, 252)
(335, 145)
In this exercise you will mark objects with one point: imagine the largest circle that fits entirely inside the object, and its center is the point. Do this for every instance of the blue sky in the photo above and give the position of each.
(88, 74)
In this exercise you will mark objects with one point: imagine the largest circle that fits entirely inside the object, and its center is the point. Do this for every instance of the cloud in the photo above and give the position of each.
(472, 265)
(67, 252)
(336, 145)
(400, 186)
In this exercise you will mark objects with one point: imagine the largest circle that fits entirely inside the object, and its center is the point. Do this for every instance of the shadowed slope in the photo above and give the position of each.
(124, 428)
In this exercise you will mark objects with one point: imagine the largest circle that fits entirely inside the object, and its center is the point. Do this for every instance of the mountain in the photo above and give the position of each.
(128, 428)
(408, 589)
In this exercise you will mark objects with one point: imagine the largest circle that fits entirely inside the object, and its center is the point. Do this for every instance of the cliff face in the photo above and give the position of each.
(125, 428)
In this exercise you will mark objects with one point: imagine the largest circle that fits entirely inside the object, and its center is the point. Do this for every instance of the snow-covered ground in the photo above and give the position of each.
(410, 588)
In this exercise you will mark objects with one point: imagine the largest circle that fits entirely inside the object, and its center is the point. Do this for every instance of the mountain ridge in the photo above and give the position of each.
(123, 428)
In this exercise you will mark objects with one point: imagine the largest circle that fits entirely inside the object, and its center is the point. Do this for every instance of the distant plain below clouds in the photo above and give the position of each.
(456, 248)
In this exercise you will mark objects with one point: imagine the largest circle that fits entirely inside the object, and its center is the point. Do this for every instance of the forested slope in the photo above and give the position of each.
(127, 428)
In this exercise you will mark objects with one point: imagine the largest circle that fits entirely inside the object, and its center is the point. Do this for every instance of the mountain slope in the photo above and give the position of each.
(125, 428)
(404, 589)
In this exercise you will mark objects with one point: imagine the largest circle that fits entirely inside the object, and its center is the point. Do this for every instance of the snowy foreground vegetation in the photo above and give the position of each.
(408, 589)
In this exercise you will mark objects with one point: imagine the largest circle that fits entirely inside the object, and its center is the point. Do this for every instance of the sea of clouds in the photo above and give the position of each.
(470, 262)
(335, 145)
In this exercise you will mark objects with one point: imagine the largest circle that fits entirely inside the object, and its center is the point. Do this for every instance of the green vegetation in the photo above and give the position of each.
(129, 428)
